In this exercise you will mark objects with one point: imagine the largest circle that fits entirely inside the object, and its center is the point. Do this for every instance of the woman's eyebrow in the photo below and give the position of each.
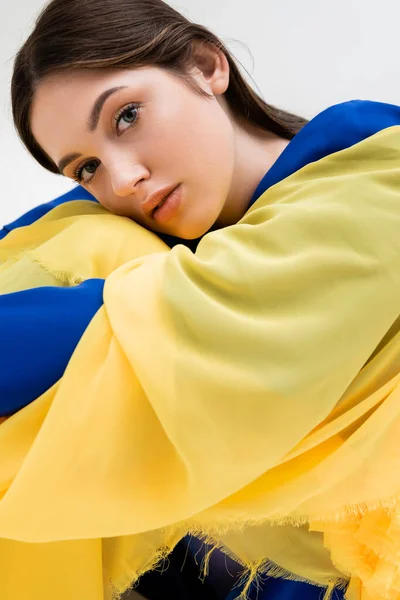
(97, 107)
(91, 125)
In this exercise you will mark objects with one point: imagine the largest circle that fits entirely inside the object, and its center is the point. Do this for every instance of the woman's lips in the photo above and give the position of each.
(168, 207)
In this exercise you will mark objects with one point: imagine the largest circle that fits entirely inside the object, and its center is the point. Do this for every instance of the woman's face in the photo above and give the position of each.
(133, 133)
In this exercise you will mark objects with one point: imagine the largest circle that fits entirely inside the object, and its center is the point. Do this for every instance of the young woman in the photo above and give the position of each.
(245, 393)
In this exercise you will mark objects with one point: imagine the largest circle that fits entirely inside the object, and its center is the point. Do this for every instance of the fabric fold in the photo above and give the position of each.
(252, 385)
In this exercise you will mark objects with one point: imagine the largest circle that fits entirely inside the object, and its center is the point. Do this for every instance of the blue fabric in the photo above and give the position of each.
(77, 193)
(283, 589)
(42, 327)
(335, 129)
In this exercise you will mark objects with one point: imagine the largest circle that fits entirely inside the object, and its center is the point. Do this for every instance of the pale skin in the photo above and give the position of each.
(167, 136)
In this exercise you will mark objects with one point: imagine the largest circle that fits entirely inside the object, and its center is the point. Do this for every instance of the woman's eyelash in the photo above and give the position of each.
(77, 175)
(125, 110)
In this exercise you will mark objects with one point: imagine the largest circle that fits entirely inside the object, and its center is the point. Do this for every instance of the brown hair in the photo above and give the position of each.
(72, 34)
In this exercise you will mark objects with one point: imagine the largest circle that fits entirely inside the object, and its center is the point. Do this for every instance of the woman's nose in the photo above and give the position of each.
(125, 178)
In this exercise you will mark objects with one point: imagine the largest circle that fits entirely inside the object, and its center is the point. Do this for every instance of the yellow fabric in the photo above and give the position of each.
(73, 242)
(246, 393)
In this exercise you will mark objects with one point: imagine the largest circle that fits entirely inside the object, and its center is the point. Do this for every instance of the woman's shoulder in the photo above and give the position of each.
(363, 117)
(336, 128)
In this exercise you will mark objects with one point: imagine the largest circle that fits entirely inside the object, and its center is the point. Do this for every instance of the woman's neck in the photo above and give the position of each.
(256, 152)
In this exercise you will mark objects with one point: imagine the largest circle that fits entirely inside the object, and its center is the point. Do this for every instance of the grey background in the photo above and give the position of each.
(303, 56)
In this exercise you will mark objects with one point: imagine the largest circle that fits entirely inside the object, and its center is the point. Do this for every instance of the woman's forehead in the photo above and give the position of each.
(89, 79)
(79, 89)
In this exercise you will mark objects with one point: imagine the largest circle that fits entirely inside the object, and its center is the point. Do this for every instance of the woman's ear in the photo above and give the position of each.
(211, 68)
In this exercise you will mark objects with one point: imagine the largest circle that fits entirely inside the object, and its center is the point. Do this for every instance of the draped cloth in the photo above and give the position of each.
(247, 394)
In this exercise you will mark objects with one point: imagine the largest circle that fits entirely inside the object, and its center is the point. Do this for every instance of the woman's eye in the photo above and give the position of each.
(127, 115)
(89, 167)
